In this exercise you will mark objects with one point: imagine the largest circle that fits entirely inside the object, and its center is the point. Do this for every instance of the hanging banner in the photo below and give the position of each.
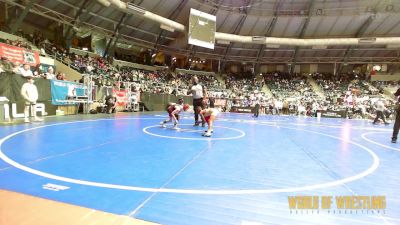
(17, 54)
(64, 92)
(122, 97)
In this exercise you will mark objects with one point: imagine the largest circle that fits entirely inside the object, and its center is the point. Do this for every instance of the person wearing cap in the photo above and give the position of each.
(30, 94)
(173, 113)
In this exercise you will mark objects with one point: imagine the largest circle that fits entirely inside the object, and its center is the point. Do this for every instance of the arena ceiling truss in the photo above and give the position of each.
(304, 19)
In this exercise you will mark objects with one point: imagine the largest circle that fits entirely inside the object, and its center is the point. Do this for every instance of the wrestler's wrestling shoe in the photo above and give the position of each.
(207, 134)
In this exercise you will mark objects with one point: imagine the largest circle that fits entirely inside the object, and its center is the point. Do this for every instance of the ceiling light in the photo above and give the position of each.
(223, 42)
(319, 47)
(135, 8)
(272, 46)
(167, 28)
(258, 39)
(366, 40)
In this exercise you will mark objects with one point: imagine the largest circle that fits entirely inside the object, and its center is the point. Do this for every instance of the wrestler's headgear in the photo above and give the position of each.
(185, 107)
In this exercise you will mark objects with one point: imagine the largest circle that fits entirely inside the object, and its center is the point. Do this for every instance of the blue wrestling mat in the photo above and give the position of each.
(244, 174)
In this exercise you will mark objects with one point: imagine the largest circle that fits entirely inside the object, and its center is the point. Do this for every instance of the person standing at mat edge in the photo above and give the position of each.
(30, 94)
(396, 126)
(111, 103)
(199, 92)
(256, 108)
(379, 109)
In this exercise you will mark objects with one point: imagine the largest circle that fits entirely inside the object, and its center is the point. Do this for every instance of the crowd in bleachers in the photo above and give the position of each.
(382, 85)
(284, 87)
(351, 92)
(291, 94)
(164, 81)
(81, 63)
(26, 70)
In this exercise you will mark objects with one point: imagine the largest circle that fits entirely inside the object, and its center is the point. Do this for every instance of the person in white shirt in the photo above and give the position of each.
(199, 93)
(301, 109)
(50, 74)
(30, 94)
(89, 68)
(315, 107)
(278, 106)
(26, 71)
(42, 51)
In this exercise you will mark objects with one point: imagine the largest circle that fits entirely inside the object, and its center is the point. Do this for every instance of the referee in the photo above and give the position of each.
(396, 126)
(198, 92)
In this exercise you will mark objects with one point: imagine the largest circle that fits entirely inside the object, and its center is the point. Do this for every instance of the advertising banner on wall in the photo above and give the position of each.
(236, 109)
(20, 55)
(220, 102)
(333, 114)
(122, 97)
(63, 91)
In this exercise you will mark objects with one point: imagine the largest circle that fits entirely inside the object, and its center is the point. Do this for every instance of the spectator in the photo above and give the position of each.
(256, 108)
(6, 65)
(16, 68)
(26, 71)
(212, 101)
(2, 70)
(111, 103)
(30, 94)
(60, 76)
(50, 74)
(380, 108)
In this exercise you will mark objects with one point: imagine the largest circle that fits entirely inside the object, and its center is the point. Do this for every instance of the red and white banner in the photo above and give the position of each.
(122, 98)
(17, 54)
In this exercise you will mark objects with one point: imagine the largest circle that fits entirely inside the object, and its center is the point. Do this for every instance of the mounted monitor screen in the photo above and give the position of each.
(202, 29)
